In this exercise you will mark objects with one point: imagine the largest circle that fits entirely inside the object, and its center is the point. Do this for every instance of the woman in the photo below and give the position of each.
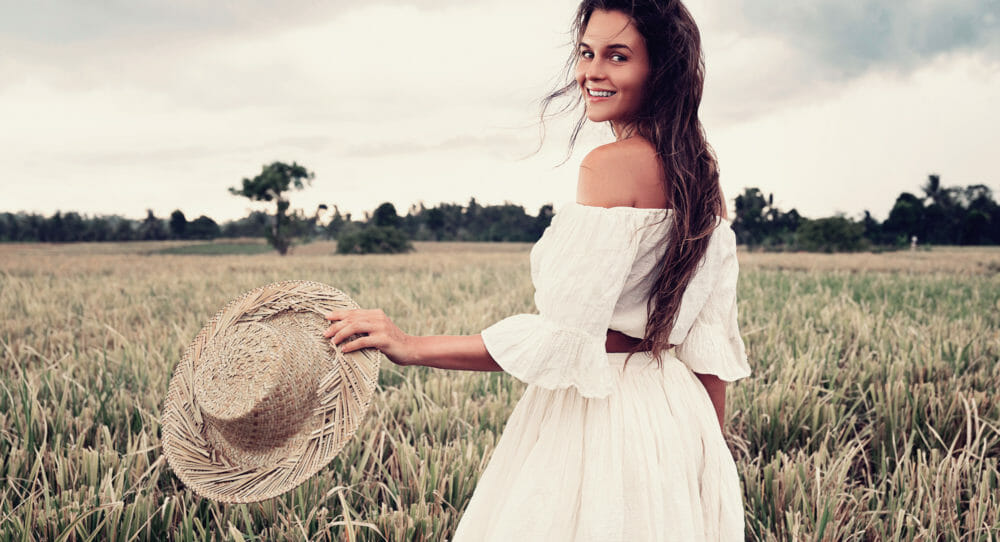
(617, 436)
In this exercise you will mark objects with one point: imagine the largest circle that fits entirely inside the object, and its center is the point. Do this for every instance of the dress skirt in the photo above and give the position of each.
(646, 463)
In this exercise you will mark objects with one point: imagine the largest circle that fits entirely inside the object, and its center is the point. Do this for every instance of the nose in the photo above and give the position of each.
(595, 70)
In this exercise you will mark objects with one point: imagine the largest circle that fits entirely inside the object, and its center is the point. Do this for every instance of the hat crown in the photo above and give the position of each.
(255, 383)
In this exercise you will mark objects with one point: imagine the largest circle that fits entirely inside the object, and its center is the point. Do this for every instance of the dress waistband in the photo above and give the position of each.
(644, 359)
(619, 343)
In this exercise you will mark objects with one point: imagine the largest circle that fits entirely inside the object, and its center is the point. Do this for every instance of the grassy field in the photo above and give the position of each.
(872, 414)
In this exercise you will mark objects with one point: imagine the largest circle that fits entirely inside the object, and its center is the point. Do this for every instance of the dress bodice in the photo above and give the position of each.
(651, 228)
(593, 270)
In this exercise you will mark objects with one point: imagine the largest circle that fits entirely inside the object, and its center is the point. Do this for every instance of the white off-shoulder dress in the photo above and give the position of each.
(597, 449)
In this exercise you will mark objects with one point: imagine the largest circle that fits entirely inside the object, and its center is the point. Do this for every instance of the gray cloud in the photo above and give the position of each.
(854, 36)
(66, 22)
(765, 56)
(70, 22)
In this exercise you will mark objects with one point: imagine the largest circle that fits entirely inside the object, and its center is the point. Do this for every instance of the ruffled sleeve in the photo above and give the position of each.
(706, 331)
(579, 268)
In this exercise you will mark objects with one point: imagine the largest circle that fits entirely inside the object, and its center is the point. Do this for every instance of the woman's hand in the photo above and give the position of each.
(376, 330)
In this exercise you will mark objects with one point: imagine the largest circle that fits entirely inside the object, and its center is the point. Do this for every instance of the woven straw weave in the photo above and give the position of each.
(261, 401)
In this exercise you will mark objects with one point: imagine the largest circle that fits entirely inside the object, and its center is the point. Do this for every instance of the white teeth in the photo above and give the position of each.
(600, 93)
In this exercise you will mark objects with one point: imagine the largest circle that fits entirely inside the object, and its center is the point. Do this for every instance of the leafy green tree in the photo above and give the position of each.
(933, 191)
(385, 216)
(315, 223)
(152, 228)
(54, 231)
(178, 224)
(542, 221)
(122, 229)
(373, 240)
(413, 224)
(832, 234)
(906, 219)
(6, 227)
(203, 227)
(383, 233)
(98, 229)
(981, 224)
(272, 184)
(336, 224)
(757, 221)
(255, 224)
(751, 207)
(76, 228)
(943, 212)
(436, 222)
(872, 228)
(507, 222)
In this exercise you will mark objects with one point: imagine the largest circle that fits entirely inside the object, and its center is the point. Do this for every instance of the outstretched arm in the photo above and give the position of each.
(455, 352)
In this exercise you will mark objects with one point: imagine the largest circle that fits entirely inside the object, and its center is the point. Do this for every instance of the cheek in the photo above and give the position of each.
(637, 85)
(637, 80)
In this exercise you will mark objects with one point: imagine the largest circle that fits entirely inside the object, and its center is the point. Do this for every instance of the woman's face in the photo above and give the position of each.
(612, 67)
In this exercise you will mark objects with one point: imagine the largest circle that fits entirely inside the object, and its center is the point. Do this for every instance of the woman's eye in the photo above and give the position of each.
(587, 54)
(618, 58)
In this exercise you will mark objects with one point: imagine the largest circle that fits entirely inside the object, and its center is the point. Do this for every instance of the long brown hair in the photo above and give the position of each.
(668, 118)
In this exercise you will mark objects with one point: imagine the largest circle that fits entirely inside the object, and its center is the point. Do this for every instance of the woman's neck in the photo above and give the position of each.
(623, 130)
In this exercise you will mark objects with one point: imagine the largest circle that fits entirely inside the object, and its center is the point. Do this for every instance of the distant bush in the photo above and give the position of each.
(374, 240)
(202, 227)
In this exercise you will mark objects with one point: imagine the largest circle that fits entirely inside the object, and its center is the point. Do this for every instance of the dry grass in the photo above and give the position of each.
(961, 260)
(872, 413)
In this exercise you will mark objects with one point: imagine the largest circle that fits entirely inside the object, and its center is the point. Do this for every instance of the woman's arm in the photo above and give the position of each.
(456, 352)
(716, 388)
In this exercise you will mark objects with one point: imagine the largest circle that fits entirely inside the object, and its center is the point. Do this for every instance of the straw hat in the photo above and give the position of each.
(261, 401)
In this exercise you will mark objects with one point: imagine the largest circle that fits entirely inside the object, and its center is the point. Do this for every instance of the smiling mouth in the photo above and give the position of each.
(600, 93)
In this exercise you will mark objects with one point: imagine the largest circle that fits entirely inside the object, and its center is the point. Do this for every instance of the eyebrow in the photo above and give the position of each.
(612, 46)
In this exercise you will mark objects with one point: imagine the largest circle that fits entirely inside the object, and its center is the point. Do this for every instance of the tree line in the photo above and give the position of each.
(72, 227)
(444, 222)
(940, 215)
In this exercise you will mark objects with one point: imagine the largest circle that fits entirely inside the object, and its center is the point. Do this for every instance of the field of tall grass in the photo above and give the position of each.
(873, 412)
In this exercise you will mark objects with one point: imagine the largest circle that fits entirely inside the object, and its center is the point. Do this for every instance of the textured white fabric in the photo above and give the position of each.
(598, 449)
(647, 463)
(580, 268)
(593, 270)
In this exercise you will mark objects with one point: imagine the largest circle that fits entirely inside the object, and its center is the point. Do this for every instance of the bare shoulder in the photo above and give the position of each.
(622, 174)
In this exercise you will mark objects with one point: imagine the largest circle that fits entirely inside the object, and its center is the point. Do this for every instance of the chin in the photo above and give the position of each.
(593, 116)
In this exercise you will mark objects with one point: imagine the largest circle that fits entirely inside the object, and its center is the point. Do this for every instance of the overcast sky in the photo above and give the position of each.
(116, 106)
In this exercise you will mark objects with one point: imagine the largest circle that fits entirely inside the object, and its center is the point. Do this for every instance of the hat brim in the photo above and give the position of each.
(345, 389)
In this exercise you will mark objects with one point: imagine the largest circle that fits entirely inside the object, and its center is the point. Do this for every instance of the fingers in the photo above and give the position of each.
(338, 315)
(357, 324)
(342, 318)
(366, 341)
(345, 330)
(332, 330)
(364, 328)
